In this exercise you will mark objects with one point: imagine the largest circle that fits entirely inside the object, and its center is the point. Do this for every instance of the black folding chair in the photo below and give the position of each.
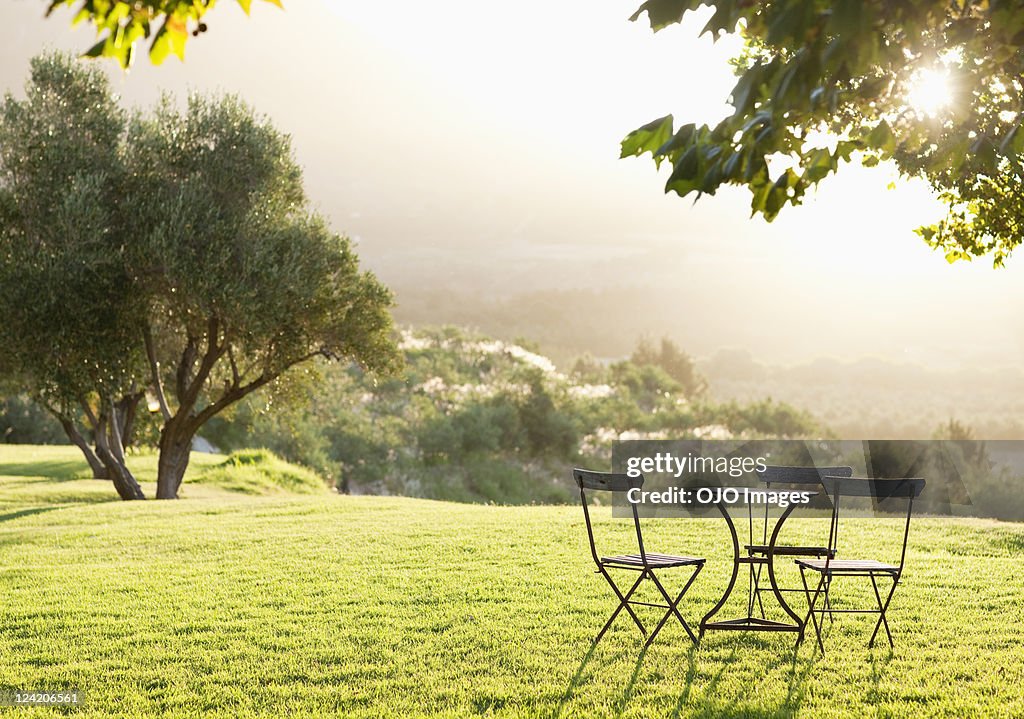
(645, 562)
(781, 478)
(829, 568)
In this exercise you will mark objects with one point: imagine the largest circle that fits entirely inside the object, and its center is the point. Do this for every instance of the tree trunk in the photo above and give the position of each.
(99, 470)
(113, 459)
(175, 450)
(124, 481)
(127, 410)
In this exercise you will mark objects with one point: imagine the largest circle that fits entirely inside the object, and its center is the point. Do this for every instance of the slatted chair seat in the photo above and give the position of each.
(787, 550)
(848, 566)
(655, 561)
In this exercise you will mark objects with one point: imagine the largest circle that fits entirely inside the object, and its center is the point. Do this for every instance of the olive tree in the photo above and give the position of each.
(240, 280)
(174, 253)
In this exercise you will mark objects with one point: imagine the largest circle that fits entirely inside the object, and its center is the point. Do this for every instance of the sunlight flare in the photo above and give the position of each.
(929, 91)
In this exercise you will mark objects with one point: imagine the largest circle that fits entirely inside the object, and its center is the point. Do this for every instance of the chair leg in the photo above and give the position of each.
(673, 606)
(811, 602)
(755, 592)
(760, 603)
(882, 608)
(751, 590)
(623, 604)
(826, 604)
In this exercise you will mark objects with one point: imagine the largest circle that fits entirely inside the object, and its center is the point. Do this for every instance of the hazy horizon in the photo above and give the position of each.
(472, 150)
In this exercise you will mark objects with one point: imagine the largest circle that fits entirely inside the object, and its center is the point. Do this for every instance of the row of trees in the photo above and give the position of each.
(169, 257)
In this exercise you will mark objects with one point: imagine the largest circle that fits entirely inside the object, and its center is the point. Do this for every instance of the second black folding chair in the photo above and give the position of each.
(643, 563)
(828, 568)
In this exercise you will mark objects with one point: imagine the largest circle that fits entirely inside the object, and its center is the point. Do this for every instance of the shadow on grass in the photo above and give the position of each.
(691, 677)
(798, 671)
(62, 470)
(1013, 543)
(630, 689)
(62, 502)
(580, 674)
(27, 512)
(879, 663)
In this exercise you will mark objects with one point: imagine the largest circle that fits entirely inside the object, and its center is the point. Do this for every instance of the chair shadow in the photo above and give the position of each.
(878, 666)
(798, 680)
(577, 678)
(691, 676)
(799, 672)
(630, 690)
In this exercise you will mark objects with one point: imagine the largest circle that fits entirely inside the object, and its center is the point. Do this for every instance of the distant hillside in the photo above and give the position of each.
(873, 398)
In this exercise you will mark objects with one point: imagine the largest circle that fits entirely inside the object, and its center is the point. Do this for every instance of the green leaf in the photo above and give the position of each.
(787, 24)
(818, 165)
(647, 138)
(682, 138)
(662, 13)
(687, 166)
(96, 50)
(881, 138)
(724, 18)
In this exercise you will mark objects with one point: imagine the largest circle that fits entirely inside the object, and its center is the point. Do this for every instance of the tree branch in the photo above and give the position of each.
(188, 360)
(236, 378)
(236, 392)
(154, 371)
(214, 351)
(90, 415)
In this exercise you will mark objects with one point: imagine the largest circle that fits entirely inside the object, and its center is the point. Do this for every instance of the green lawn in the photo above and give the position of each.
(229, 604)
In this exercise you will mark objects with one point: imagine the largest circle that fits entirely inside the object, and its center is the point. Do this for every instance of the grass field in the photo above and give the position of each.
(230, 604)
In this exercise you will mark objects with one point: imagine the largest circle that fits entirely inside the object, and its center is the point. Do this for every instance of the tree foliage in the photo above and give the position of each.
(174, 253)
(824, 82)
(674, 361)
(122, 24)
(69, 324)
(242, 281)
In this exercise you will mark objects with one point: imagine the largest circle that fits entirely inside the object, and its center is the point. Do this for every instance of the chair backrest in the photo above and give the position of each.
(801, 475)
(607, 482)
(876, 488)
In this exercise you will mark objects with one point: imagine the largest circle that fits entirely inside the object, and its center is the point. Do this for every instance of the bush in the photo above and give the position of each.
(260, 471)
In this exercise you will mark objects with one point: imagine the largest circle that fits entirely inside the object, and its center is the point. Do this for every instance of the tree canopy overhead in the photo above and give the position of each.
(824, 82)
(122, 24)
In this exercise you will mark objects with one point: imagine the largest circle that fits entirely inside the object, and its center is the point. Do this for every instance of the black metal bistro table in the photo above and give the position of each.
(758, 557)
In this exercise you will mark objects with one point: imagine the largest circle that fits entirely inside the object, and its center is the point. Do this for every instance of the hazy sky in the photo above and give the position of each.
(474, 144)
